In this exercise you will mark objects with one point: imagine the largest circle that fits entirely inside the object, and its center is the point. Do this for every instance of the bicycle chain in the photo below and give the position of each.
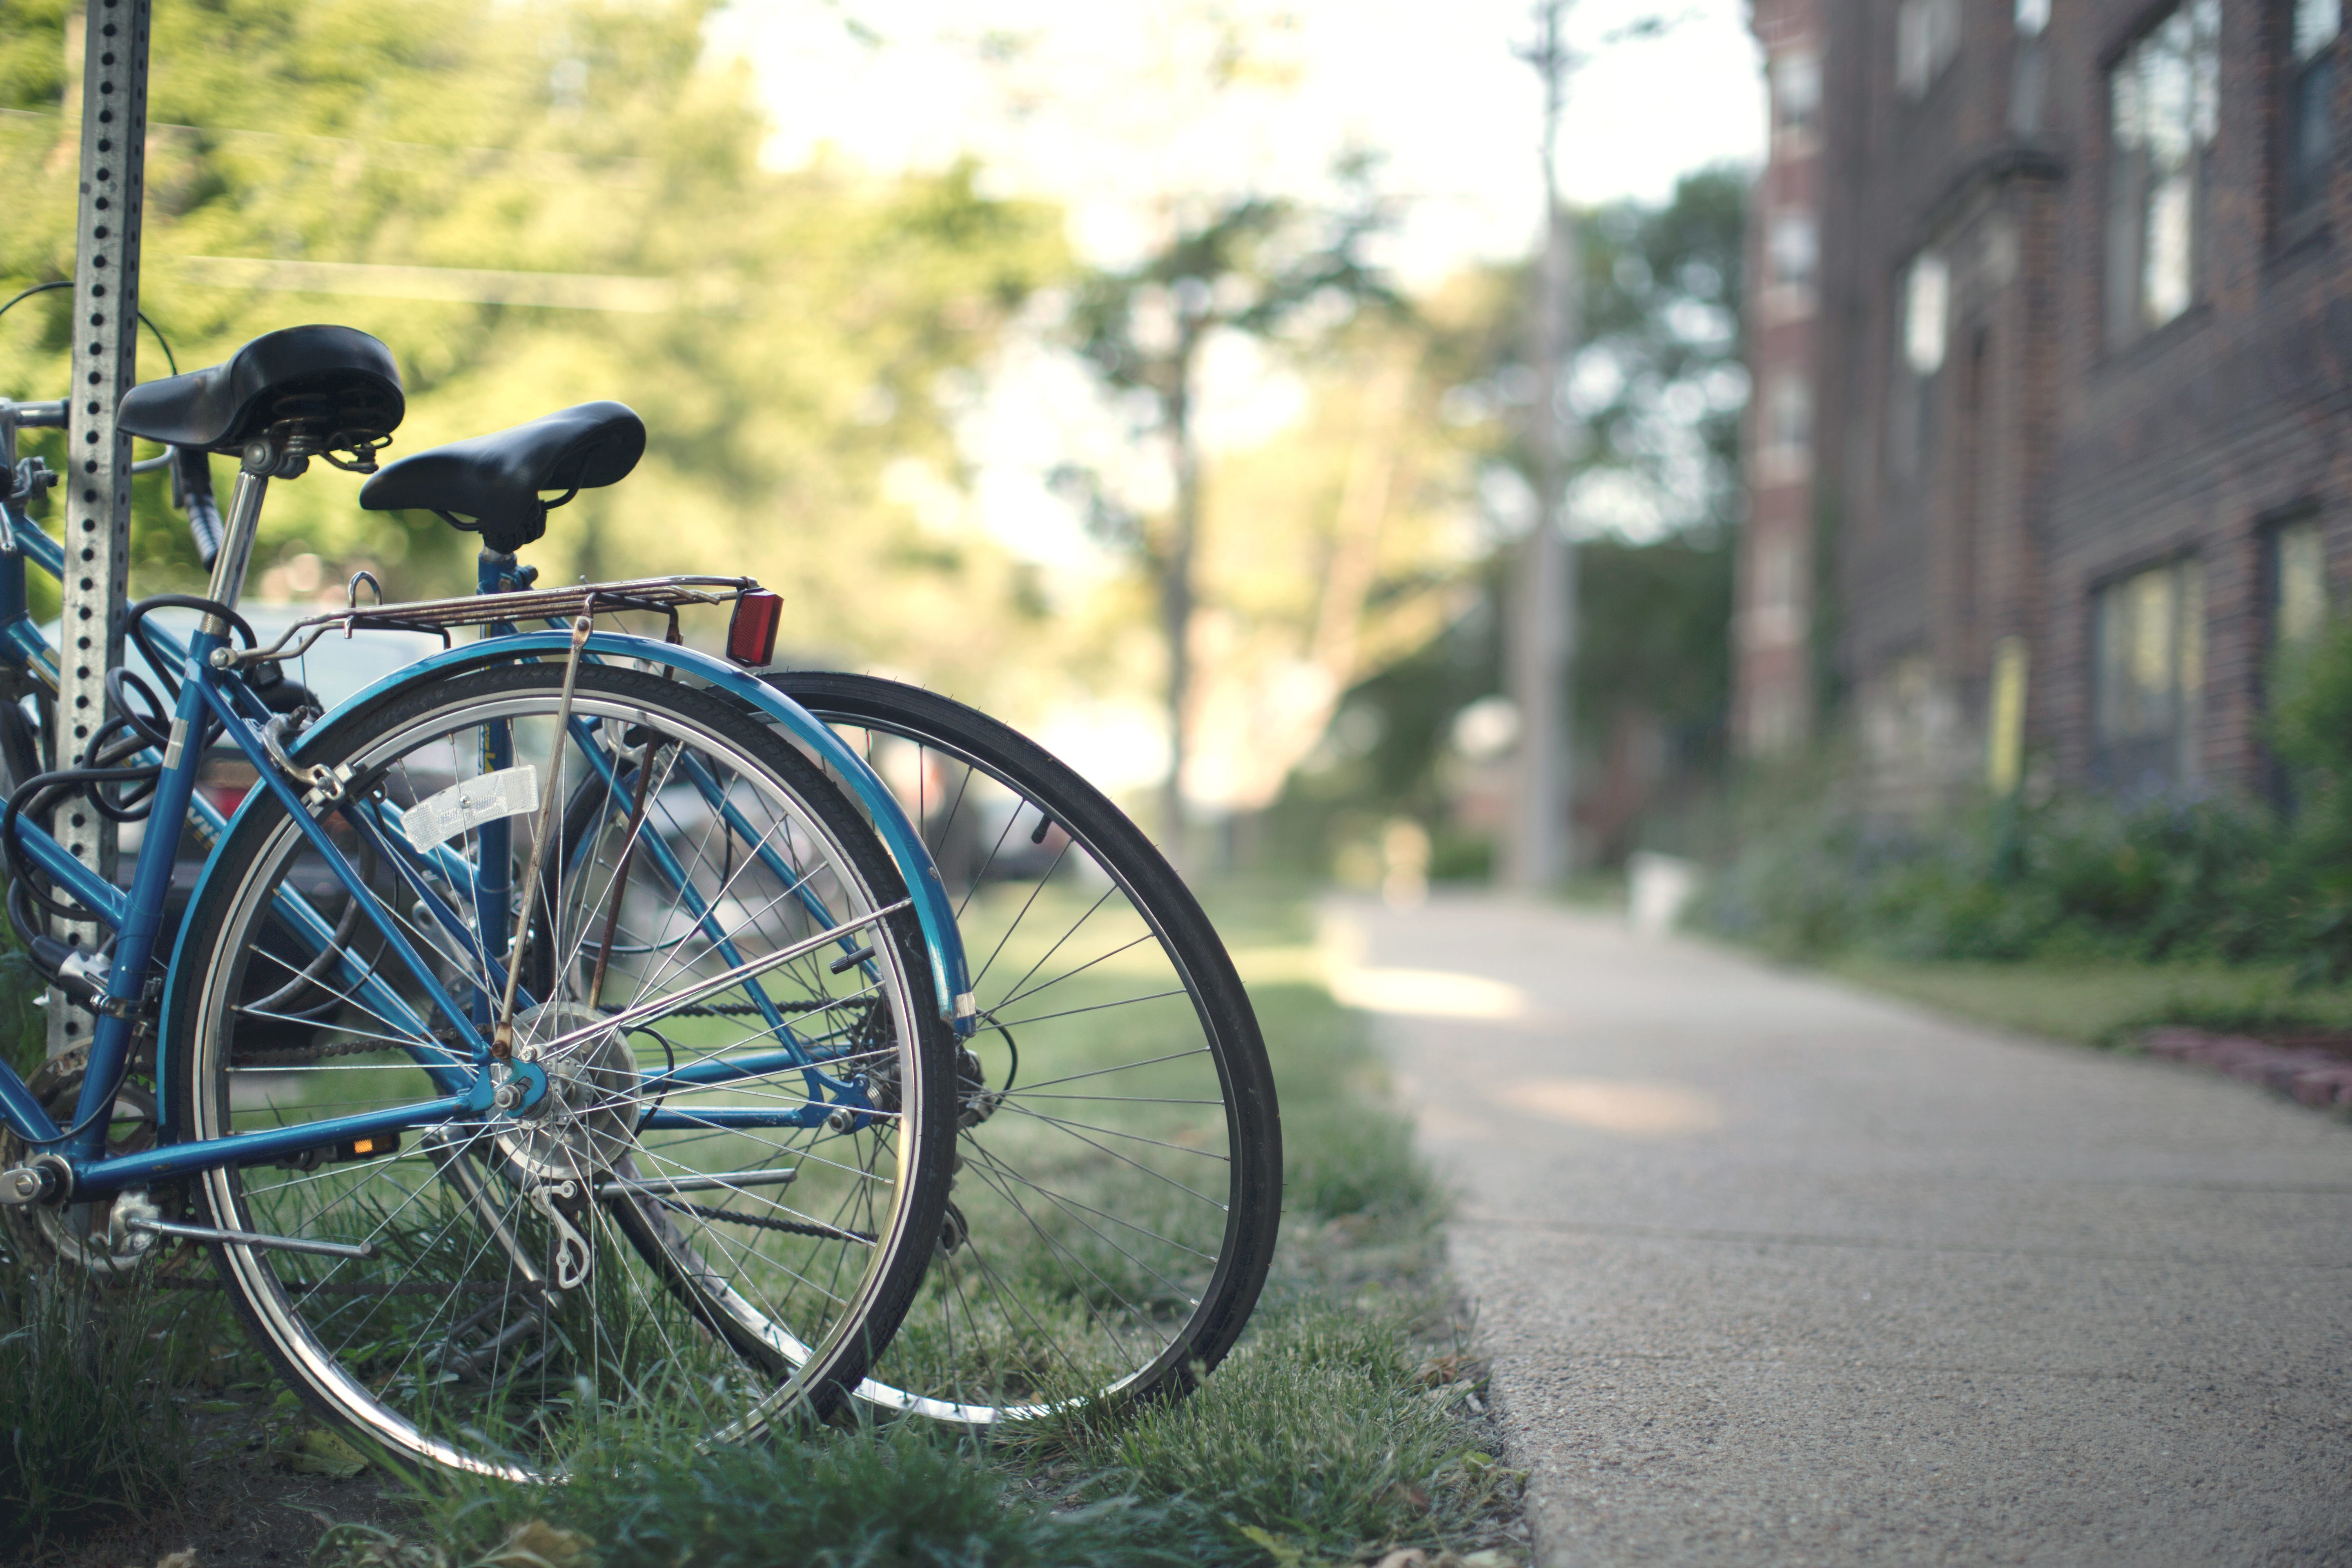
(366, 1287)
(469, 1287)
(763, 1221)
(297, 1055)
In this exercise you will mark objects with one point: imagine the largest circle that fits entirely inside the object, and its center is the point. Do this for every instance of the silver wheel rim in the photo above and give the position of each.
(261, 1277)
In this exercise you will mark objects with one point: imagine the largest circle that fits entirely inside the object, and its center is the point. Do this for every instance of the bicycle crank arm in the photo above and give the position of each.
(450, 1160)
(252, 1239)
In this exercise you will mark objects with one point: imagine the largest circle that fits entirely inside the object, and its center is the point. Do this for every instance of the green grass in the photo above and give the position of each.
(1321, 1438)
(1316, 1439)
(2105, 1003)
(904, 1495)
(1340, 1428)
(91, 1431)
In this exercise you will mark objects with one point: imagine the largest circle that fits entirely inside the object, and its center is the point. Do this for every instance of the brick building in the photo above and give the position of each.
(1776, 706)
(2052, 447)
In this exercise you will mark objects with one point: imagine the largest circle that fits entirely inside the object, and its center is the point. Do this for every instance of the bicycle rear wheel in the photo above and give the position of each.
(726, 1200)
(1116, 1201)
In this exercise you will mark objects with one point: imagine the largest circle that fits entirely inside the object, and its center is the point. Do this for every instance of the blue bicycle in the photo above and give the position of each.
(556, 1027)
(499, 1118)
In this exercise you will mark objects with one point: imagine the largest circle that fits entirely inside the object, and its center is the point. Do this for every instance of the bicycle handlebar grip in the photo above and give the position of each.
(191, 490)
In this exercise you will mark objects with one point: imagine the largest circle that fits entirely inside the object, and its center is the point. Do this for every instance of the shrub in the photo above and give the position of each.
(2080, 876)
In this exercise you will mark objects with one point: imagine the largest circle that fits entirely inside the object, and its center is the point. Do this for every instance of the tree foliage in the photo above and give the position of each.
(785, 335)
(1658, 391)
(1660, 382)
(1247, 265)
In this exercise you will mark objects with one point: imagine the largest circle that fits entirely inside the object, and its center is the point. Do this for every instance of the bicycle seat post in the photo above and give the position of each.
(261, 460)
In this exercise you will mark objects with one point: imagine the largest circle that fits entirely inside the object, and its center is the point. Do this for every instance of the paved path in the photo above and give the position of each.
(1777, 1273)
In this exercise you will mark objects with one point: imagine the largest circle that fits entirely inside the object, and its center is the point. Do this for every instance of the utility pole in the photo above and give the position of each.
(96, 484)
(1542, 648)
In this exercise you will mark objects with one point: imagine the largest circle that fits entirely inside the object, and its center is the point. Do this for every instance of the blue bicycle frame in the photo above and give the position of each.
(463, 1072)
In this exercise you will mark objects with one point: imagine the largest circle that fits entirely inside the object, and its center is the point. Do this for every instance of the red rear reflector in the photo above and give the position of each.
(751, 630)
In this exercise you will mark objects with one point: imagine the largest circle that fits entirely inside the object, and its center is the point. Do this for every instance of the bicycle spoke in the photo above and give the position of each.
(522, 1290)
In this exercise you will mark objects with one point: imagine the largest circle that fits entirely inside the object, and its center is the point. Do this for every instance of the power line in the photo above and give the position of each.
(455, 285)
(539, 167)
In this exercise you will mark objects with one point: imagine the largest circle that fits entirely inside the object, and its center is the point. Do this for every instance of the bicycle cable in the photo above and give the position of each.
(161, 340)
(99, 766)
(124, 733)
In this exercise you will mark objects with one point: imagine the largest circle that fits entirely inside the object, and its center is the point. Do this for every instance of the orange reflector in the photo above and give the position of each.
(751, 630)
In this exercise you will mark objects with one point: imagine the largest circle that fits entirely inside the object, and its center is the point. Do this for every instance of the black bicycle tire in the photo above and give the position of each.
(1160, 895)
(346, 733)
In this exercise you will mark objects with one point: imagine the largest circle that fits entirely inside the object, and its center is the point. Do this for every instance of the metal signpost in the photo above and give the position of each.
(96, 467)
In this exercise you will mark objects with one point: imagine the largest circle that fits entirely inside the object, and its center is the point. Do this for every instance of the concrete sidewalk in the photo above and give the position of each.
(1776, 1273)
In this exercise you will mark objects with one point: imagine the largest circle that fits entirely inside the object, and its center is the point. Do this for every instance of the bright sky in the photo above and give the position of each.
(1077, 100)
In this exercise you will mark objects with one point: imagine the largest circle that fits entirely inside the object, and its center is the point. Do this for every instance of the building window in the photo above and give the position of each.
(2029, 81)
(1775, 611)
(1776, 577)
(2309, 123)
(1927, 314)
(1926, 37)
(1771, 721)
(2150, 677)
(2298, 581)
(1795, 249)
(1923, 331)
(2163, 101)
(2297, 564)
(1787, 427)
(1796, 93)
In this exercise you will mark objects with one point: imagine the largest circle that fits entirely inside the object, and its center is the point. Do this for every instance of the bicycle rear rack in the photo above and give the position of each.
(661, 595)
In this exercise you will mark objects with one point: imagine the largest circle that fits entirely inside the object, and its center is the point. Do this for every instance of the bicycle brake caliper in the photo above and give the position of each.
(323, 785)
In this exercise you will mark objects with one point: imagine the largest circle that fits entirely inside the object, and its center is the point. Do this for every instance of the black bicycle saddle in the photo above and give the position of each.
(491, 484)
(335, 385)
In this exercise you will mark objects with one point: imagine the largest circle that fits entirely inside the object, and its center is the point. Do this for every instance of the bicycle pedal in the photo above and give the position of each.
(368, 1146)
(25, 1184)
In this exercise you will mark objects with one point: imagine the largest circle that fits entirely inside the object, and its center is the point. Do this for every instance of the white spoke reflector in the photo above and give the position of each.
(470, 803)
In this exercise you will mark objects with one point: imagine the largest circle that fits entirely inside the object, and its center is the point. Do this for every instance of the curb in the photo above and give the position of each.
(2320, 1078)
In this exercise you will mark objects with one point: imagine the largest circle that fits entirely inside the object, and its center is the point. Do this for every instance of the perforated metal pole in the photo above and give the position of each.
(96, 482)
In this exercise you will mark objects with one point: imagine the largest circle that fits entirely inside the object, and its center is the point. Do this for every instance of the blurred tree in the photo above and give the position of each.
(1660, 381)
(1658, 388)
(1249, 265)
(455, 167)
(1330, 551)
(1654, 668)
